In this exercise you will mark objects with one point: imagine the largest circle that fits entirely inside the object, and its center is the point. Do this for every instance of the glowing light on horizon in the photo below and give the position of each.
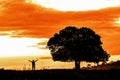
(20, 47)
(76, 5)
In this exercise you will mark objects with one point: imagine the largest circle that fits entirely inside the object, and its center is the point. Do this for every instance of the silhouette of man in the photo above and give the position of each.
(33, 63)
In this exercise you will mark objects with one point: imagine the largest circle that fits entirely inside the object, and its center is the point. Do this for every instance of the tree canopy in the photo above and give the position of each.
(77, 44)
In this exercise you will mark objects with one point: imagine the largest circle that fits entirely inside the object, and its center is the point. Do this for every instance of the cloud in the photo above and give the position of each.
(20, 19)
(77, 5)
(42, 44)
(36, 21)
(23, 16)
(44, 58)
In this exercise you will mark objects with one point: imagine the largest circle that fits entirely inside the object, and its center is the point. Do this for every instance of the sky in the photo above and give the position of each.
(27, 25)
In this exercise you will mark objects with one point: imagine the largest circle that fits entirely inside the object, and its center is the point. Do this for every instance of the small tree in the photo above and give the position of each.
(74, 44)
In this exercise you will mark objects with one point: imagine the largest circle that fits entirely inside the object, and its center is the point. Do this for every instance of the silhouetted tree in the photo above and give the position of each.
(74, 44)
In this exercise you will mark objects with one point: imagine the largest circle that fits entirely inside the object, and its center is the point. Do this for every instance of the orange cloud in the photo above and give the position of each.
(31, 20)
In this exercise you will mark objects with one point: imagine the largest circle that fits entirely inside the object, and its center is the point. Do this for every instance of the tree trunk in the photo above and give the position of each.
(77, 65)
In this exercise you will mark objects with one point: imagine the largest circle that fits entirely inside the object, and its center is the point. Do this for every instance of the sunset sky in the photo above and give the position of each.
(27, 25)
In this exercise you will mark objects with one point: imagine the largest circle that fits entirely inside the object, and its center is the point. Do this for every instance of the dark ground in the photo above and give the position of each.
(60, 74)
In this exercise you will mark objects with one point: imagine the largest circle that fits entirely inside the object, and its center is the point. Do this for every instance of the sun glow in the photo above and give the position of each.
(76, 5)
(20, 47)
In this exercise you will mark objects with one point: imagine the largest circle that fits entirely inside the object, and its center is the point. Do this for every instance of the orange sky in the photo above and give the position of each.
(30, 20)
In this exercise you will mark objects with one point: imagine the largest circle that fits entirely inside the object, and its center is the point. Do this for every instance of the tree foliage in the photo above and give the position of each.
(77, 44)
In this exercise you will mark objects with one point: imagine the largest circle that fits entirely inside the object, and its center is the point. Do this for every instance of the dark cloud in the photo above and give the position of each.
(41, 45)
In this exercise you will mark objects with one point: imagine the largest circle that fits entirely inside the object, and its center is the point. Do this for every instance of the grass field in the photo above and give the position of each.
(102, 72)
(60, 74)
